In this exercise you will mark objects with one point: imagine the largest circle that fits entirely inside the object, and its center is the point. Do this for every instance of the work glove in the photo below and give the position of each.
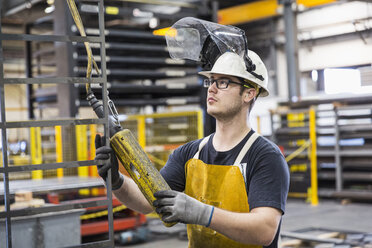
(178, 207)
(104, 152)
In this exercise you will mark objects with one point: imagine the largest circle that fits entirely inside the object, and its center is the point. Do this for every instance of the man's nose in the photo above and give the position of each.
(213, 87)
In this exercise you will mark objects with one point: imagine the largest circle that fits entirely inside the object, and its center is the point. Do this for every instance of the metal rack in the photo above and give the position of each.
(294, 131)
(353, 151)
(10, 214)
(130, 64)
(139, 69)
(344, 147)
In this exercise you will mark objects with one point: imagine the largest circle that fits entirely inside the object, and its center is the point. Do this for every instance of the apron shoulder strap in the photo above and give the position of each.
(201, 145)
(245, 148)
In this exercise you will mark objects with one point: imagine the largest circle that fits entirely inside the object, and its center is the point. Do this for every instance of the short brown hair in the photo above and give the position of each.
(242, 88)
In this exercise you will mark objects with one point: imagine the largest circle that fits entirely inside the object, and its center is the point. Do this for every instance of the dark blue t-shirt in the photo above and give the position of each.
(266, 176)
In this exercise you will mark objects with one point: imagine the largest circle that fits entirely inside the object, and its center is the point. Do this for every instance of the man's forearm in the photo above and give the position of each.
(131, 196)
(257, 227)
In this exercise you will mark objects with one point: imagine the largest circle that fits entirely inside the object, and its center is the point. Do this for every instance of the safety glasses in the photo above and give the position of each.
(221, 83)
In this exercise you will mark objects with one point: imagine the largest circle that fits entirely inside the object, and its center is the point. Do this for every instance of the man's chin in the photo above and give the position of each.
(211, 112)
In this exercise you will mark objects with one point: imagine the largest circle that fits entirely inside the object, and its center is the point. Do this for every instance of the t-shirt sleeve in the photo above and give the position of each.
(269, 183)
(174, 170)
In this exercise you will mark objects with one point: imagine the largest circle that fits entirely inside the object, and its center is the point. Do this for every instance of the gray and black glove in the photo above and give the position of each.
(179, 207)
(104, 152)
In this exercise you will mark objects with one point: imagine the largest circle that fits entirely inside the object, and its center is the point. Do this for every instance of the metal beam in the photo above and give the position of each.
(53, 208)
(28, 72)
(127, 46)
(291, 50)
(62, 38)
(163, 2)
(48, 166)
(248, 12)
(155, 102)
(4, 142)
(55, 80)
(314, 3)
(141, 60)
(14, 7)
(66, 97)
(259, 10)
(142, 74)
(122, 33)
(51, 123)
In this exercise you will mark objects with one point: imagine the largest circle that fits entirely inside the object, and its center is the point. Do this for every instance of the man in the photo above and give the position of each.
(230, 187)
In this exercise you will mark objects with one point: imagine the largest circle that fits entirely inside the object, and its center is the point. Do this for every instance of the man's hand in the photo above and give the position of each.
(106, 153)
(179, 207)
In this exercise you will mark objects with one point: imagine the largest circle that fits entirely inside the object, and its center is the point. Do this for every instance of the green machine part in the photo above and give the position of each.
(139, 166)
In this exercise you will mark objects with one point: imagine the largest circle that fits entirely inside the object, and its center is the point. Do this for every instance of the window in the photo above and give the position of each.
(343, 81)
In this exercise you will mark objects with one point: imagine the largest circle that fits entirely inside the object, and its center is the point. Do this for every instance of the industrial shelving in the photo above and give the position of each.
(353, 151)
(139, 70)
(134, 72)
(344, 149)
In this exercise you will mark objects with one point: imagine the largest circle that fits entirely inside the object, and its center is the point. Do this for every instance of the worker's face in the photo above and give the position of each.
(224, 103)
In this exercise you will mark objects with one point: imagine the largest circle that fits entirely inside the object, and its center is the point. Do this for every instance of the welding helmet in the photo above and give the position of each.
(203, 41)
(199, 40)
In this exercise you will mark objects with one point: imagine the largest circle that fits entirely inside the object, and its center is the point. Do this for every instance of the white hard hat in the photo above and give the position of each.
(232, 64)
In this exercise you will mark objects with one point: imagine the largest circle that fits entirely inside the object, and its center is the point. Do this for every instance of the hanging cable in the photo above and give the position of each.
(94, 103)
(79, 24)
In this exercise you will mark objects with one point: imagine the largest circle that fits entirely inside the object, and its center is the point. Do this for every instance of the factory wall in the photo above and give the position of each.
(336, 35)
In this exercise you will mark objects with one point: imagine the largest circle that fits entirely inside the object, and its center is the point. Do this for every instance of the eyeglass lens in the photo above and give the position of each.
(220, 83)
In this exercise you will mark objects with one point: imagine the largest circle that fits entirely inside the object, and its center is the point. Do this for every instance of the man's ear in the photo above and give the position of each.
(249, 95)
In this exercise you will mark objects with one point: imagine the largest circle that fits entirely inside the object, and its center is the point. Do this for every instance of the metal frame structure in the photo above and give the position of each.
(344, 169)
(300, 123)
(4, 125)
(352, 130)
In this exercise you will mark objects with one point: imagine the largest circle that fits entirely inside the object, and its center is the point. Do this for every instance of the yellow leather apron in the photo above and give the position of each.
(222, 186)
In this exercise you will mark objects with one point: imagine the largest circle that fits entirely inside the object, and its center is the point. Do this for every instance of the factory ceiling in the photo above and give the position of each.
(22, 11)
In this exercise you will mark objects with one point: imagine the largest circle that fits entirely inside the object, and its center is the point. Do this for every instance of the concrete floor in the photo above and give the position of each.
(329, 214)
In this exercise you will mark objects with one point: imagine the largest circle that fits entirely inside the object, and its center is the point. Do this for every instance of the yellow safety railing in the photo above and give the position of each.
(298, 120)
(200, 124)
(141, 127)
(82, 153)
(298, 151)
(92, 152)
(101, 213)
(156, 160)
(36, 151)
(313, 158)
(258, 120)
(145, 126)
(188, 124)
(59, 149)
(141, 123)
